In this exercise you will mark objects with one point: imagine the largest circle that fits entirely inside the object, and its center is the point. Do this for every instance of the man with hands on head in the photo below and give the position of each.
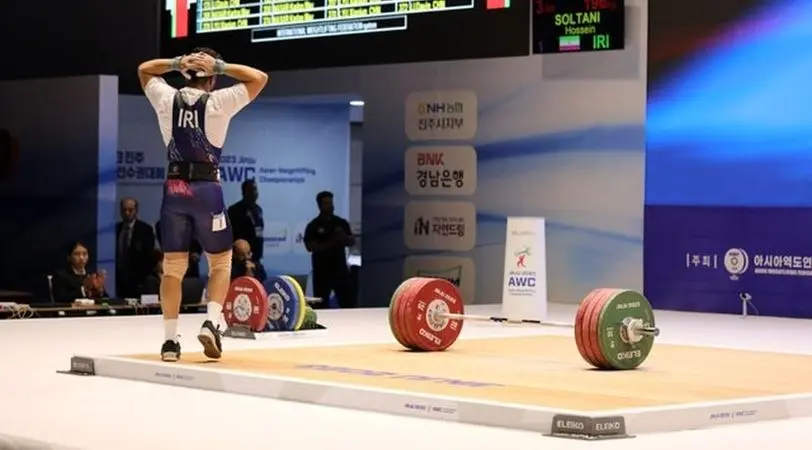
(193, 122)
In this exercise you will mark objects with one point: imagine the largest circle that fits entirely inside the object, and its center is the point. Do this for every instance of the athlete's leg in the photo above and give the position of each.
(176, 230)
(213, 232)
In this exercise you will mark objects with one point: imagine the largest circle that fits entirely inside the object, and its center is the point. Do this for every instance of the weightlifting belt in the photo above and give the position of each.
(192, 171)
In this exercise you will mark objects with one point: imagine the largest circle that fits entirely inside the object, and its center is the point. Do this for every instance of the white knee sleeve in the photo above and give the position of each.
(175, 265)
(220, 263)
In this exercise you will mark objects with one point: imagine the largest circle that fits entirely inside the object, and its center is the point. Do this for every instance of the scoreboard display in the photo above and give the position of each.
(578, 25)
(296, 34)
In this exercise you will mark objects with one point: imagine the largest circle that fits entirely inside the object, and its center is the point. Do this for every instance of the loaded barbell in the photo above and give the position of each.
(278, 304)
(614, 328)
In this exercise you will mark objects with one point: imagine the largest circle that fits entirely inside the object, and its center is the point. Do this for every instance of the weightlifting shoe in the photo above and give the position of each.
(209, 337)
(170, 351)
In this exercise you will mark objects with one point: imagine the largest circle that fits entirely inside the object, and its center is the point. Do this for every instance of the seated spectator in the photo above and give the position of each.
(242, 264)
(195, 250)
(152, 283)
(74, 281)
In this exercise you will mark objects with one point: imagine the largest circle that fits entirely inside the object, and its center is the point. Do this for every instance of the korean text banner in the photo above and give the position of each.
(702, 258)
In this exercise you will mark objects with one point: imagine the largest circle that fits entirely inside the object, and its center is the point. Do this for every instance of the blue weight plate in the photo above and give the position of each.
(284, 305)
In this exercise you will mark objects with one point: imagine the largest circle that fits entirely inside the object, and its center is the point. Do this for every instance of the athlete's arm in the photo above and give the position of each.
(156, 68)
(253, 80)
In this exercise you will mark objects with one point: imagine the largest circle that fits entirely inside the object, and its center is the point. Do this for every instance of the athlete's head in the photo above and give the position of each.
(203, 83)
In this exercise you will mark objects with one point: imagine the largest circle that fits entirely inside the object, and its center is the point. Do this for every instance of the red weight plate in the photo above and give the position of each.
(246, 304)
(579, 324)
(593, 320)
(393, 318)
(427, 330)
(597, 297)
(410, 292)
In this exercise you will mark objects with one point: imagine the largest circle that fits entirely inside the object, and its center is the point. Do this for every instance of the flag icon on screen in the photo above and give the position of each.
(569, 43)
(497, 4)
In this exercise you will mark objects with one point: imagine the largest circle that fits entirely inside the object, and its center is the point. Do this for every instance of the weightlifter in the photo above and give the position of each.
(194, 122)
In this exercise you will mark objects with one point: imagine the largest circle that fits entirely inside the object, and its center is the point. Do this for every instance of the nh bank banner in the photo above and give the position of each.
(292, 151)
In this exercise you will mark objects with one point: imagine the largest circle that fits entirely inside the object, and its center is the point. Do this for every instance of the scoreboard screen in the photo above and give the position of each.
(578, 25)
(297, 34)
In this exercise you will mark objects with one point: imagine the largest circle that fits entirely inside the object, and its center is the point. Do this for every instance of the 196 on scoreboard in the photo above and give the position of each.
(578, 25)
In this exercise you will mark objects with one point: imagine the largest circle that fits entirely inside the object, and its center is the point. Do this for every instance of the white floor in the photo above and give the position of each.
(96, 413)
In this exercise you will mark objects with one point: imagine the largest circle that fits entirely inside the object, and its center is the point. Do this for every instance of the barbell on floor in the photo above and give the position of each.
(614, 328)
(278, 304)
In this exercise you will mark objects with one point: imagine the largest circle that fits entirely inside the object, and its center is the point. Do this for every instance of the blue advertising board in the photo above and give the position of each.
(702, 258)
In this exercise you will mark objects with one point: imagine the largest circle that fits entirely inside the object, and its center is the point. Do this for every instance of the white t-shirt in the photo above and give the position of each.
(223, 104)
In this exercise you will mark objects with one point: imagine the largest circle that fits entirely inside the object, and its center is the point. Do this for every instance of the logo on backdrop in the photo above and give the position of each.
(458, 271)
(133, 168)
(521, 256)
(440, 226)
(521, 280)
(239, 168)
(737, 262)
(276, 238)
(297, 238)
(441, 115)
(440, 170)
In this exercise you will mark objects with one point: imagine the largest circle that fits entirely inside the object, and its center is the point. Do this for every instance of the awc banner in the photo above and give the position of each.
(703, 258)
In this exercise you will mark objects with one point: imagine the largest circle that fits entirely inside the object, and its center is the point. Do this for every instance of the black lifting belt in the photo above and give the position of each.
(192, 171)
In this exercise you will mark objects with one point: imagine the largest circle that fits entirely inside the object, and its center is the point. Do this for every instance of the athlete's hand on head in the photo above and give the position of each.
(203, 63)
(186, 66)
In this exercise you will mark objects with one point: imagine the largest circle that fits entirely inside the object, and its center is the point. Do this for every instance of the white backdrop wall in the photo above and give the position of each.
(293, 151)
(558, 136)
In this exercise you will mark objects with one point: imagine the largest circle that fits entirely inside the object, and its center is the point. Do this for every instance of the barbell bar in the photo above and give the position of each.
(635, 325)
(614, 328)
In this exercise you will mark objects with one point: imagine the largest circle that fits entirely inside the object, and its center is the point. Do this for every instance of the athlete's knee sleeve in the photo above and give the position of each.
(220, 263)
(176, 264)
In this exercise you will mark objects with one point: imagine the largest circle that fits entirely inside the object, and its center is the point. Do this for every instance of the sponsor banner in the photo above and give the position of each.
(441, 115)
(524, 294)
(440, 226)
(459, 271)
(298, 238)
(440, 170)
(706, 258)
(276, 238)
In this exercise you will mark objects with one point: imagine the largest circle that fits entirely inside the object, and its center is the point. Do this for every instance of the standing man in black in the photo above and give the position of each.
(326, 237)
(246, 219)
(135, 243)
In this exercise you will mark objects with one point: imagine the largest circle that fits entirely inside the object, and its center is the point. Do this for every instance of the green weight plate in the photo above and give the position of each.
(624, 352)
(310, 319)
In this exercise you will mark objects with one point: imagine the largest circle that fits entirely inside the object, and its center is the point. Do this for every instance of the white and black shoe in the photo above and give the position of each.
(209, 337)
(170, 351)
